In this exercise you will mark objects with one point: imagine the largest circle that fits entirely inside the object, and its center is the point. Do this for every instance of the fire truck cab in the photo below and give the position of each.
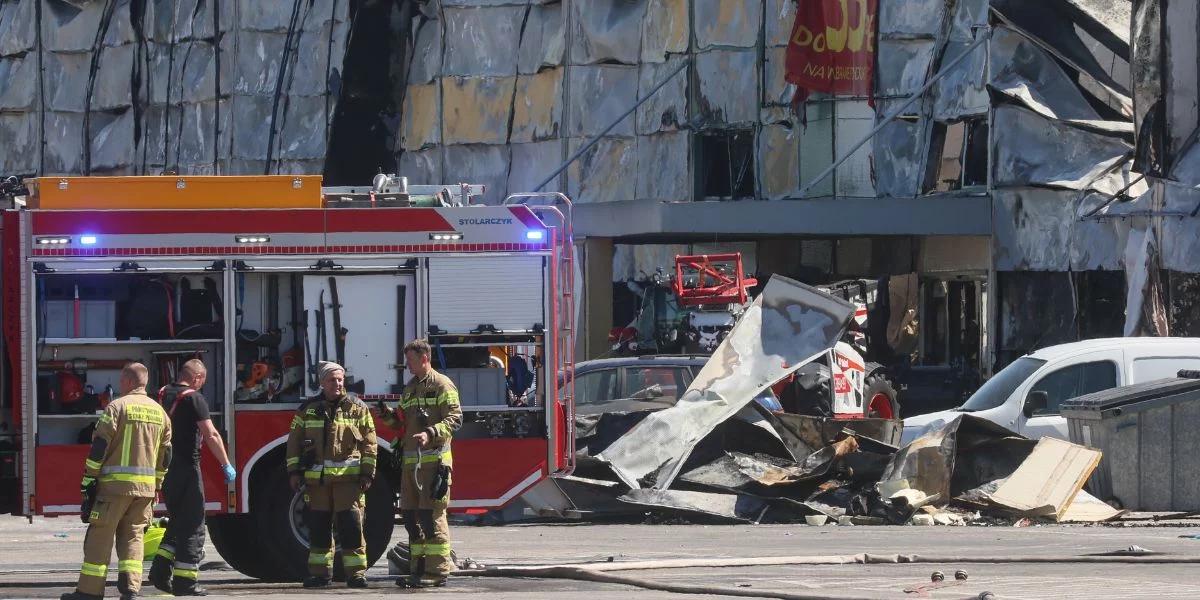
(261, 278)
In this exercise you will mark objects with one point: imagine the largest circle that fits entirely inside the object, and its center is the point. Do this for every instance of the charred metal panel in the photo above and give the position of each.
(961, 92)
(854, 119)
(421, 124)
(64, 142)
(17, 31)
(1095, 244)
(606, 31)
(17, 131)
(728, 23)
(727, 80)
(903, 65)
(1029, 149)
(1181, 24)
(914, 18)
(302, 134)
(537, 107)
(480, 164)
(776, 90)
(1149, 103)
(665, 30)
(426, 62)
(422, 167)
(968, 14)
(897, 155)
(779, 161)
(531, 163)
(482, 41)
(1032, 229)
(600, 94)
(661, 175)
(1181, 237)
(605, 173)
(22, 95)
(1034, 310)
(779, 16)
(784, 327)
(476, 110)
(543, 43)
(667, 109)
(1021, 68)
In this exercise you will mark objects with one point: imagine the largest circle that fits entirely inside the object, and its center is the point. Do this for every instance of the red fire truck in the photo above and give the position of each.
(261, 277)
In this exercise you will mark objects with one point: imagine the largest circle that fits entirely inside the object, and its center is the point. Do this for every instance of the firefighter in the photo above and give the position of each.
(182, 547)
(427, 416)
(124, 470)
(331, 457)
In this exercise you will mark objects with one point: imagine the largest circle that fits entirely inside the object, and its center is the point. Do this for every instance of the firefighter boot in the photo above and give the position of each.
(123, 586)
(416, 566)
(78, 595)
(188, 587)
(316, 581)
(160, 572)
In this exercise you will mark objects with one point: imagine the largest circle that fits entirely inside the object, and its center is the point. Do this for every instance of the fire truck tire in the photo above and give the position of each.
(880, 397)
(279, 538)
(231, 534)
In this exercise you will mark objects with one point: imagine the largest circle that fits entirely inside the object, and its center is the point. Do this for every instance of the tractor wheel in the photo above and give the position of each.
(880, 397)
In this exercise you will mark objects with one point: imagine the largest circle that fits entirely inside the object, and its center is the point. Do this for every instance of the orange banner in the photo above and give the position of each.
(832, 49)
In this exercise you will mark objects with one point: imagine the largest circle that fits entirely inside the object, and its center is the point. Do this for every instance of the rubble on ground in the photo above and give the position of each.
(717, 456)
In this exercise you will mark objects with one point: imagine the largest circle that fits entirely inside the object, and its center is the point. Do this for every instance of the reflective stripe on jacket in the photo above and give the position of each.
(138, 434)
(436, 395)
(343, 443)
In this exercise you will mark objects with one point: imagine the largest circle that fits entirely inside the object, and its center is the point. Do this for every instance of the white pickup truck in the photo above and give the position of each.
(1026, 395)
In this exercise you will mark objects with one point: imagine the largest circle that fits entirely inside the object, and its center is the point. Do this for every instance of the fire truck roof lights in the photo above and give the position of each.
(53, 241)
(446, 237)
(252, 239)
(88, 240)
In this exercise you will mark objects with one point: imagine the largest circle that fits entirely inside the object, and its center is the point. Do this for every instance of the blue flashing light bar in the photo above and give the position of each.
(88, 240)
(535, 234)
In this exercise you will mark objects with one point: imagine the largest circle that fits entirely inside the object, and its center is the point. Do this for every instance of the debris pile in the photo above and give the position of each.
(718, 455)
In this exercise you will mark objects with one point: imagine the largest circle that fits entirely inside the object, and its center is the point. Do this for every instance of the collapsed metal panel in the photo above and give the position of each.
(600, 94)
(667, 109)
(661, 176)
(537, 107)
(897, 155)
(778, 160)
(727, 80)
(1032, 229)
(482, 41)
(426, 61)
(603, 173)
(727, 23)
(606, 31)
(666, 30)
(1029, 149)
(543, 42)
(787, 325)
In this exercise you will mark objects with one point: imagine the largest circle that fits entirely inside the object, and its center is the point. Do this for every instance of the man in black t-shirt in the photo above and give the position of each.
(176, 567)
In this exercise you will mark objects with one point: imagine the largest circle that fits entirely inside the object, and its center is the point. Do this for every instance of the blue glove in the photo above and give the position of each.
(230, 473)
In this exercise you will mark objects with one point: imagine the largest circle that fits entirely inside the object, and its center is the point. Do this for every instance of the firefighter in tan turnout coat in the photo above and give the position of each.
(427, 416)
(331, 454)
(124, 470)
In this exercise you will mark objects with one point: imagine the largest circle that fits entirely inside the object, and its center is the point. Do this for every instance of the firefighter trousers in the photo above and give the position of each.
(325, 502)
(122, 519)
(182, 546)
(425, 521)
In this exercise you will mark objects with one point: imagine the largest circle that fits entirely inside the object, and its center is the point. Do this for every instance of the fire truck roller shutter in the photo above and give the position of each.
(506, 292)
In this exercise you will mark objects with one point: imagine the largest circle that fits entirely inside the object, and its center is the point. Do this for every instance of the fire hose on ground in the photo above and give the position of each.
(602, 572)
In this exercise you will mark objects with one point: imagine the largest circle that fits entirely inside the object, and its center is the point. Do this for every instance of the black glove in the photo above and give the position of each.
(87, 489)
(441, 483)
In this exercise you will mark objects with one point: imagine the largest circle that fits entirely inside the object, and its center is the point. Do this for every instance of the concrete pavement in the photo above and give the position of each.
(40, 560)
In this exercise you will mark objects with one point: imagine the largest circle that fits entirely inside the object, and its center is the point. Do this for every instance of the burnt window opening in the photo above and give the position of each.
(360, 143)
(725, 165)
(952, 314)
(957, 156)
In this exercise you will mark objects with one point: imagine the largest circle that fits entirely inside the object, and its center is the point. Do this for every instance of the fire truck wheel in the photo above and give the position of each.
(231, 534)
(280, 536)
(881, 397)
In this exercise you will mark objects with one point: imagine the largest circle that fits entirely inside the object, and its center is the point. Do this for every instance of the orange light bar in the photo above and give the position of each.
(170, 191)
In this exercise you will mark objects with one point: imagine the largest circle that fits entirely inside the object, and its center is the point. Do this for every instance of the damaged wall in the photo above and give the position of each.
(194, 86)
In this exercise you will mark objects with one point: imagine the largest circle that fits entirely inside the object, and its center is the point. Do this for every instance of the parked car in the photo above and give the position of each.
(640, 383)
(1026, 395)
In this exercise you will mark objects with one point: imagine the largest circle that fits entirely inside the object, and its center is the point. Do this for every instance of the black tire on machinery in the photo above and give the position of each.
(875, 383)
(270, 507)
